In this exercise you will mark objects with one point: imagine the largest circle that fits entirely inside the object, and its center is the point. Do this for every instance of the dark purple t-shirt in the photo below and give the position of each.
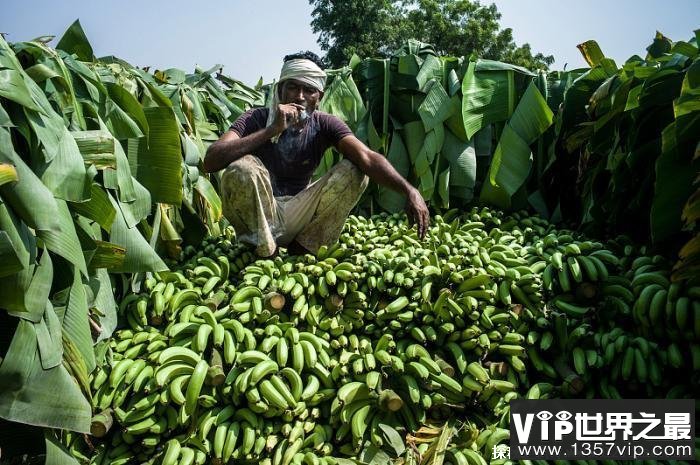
(293, 160)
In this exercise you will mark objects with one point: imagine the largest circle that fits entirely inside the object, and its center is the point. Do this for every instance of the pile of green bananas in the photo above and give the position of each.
(308, 359)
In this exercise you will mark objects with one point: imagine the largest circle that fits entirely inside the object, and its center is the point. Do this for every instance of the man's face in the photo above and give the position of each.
(293, 91)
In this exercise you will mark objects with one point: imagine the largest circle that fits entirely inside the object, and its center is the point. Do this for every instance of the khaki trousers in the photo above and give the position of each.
(313, 217)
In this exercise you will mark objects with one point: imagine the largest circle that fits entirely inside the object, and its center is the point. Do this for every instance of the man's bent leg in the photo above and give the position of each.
(249, 204)
(337, 196)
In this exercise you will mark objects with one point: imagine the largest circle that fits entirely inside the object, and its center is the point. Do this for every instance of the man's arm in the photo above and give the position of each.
(230, 147)
(379, 170)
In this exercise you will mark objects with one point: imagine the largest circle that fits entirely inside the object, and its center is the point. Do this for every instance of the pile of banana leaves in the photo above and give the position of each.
(99, 179)
(627, 139)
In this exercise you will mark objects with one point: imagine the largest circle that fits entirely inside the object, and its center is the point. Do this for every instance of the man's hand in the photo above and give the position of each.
(417, 212)
(288, 114)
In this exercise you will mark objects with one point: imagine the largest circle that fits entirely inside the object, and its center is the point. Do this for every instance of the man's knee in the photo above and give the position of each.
(244, 167)
(347, 170)
(243, 172)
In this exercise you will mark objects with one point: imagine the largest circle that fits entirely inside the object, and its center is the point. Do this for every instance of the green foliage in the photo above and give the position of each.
(454, 27)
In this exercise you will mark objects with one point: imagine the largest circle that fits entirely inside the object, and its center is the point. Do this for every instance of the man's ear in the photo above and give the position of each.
(320, 95)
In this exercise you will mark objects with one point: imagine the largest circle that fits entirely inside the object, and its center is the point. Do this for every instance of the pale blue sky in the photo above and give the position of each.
(250, 37)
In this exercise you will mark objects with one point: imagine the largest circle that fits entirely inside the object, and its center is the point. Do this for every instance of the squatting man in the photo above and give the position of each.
(270, 154)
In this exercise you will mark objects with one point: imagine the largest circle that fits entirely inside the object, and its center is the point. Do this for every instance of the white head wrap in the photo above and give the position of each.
(299, 69)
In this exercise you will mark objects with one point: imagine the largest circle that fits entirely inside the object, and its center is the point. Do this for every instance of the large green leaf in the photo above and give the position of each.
(37, 293)
(488, 97)
(98, 208)
(129, 105)
(56, 453)
(675, 173)
(689, 100)
(140, 208)
(140, 256)
(29, 394)
(49, 338)
(512, 159)
(64, 242)
(156, 161)
(104, 303)
(436, 107)
(97, 148)
(120, 123)
(532, 116)
(75, 42)
(51, 73)
(29, 199)
(206, 190)
(414, 136)
(13, 286)
(107, 255)
(343, 99)
(13, 85)
(510, 165)
(9, 257)
(456, 120)
(462, 158)
(65, 174)
(431, 68)
(75, 321)
(389, 199)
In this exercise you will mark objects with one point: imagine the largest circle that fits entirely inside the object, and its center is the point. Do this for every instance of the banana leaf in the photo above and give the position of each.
(104, 303)
(512, 158)
(455, 122)
(107, 255)
(21, 253)
(5, 121)
(343, 99)
(490, 90)
(38, 291)
(13, 83)
(209, 195)
(98, 208)
(51, 71)
(591, 52)
(97, 148)
(9, 257)
(140, 256)
(414, 136)
(675, 174)
(156, 161)
(64, 242)
(65, 175)
(462, 159)
(432, 68)
(389, 199)
(56, 453)
(120, 179)
(29, 394)
(16, 248)
(75, 321)
(49, 338)
(134, 212)
(436, 107)
(689, 100)
(75, 42)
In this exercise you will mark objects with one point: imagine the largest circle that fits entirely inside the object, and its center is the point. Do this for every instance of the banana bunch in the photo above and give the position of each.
(291, 360)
